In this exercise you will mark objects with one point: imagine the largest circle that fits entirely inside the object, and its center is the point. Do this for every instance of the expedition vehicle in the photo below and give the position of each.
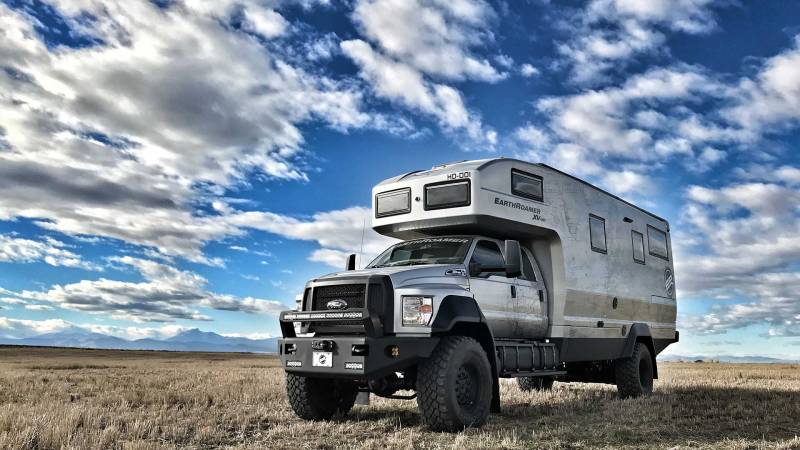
(507, 269)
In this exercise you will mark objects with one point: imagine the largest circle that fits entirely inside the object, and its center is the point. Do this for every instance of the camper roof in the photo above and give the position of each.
(479, 164)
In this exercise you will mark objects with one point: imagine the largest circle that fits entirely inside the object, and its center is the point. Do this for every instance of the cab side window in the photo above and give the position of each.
(489, 256)
(527, 267)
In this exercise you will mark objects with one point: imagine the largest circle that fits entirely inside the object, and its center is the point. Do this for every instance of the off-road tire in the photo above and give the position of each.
(634, 375)
(454, 385)
(319, 398)
(535, 383)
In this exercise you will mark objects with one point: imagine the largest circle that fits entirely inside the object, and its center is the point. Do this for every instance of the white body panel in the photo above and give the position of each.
(582, 284)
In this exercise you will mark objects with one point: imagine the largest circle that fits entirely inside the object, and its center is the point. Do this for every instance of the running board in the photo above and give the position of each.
(527, 359)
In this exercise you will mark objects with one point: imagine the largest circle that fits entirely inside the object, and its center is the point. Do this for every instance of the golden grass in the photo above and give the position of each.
(85, 399)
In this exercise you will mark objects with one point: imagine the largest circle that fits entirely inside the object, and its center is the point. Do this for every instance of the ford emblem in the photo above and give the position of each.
(336, 304)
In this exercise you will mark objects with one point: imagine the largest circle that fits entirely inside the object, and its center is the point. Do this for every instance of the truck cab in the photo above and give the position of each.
(506, 269)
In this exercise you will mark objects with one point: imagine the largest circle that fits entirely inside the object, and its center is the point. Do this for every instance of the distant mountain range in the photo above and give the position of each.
(727, 359)
(192, 340)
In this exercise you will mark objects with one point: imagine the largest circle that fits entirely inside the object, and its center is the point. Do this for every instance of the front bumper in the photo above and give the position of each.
(374, 361)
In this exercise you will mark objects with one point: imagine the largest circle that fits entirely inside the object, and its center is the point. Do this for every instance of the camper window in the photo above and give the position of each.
(637, 239)
(447, 194)
(489, 256)
(657, 242)
(393, 202)
(597, 233)
(526, 185)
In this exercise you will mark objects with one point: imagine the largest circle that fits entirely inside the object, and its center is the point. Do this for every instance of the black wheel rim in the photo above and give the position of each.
(467, 386)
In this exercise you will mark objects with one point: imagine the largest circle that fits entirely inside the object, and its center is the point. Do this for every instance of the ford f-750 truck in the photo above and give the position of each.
(506, 269)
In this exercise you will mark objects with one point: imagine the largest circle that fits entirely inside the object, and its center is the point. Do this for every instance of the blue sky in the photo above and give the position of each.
(177, 164)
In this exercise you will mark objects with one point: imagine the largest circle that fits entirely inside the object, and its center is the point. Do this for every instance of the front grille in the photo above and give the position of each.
(352, 294)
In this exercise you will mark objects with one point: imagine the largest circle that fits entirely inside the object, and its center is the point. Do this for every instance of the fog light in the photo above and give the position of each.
(290, 349)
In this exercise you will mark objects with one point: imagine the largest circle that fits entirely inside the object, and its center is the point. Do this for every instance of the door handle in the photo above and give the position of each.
(513, 291)
(541, 295)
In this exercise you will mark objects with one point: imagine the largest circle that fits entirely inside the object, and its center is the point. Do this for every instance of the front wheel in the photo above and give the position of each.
(454, 385)
(635, 374)
(319, 398)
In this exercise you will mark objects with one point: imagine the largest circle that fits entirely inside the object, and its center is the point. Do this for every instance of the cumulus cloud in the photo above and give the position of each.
(166, 294)
(527, 70)
(771, 100)
(418, 46)
(609, 34)
(338, 232)
(406, 85)
(23, 328)
(748, 247)
(433, 37)
(50, 251)
(79, 158)
(617, 134)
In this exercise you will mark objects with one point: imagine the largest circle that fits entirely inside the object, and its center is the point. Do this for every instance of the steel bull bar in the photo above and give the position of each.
(364, 356)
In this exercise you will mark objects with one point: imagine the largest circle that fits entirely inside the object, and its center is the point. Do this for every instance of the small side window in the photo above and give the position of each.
(527, 267)
(597, 233)
(489, 256)
(526, 185)
(657, 242)
(637, 239)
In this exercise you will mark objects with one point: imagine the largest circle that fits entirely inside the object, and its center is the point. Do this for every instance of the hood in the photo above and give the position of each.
(403, 274)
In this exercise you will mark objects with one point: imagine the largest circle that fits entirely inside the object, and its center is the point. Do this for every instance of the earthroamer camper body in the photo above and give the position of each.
(507, 269)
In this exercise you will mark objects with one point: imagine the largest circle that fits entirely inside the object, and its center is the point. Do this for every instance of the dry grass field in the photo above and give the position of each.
(84, 399)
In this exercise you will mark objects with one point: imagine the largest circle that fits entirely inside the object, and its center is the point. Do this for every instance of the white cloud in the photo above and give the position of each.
(627, 181)
(527, 70)
(257, 336)
(165, 294)
(415, 47)
(21, 328)
(121, 138)
(748, 246)
(608, 34)
(433, 37)
(771, 100)
(338, 232)
(265, 22)
(402, 83)
(50, 251)
(11, 300)
(39, 307)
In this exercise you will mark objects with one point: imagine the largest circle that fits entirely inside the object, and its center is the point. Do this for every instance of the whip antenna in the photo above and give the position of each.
(361, 250)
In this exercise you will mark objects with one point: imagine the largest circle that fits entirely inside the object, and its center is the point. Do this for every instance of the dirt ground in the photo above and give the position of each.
(97, 399)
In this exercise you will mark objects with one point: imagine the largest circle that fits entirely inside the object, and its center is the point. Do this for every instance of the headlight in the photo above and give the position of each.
(417, 311)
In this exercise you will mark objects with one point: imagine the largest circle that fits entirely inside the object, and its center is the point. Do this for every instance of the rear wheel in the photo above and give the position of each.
(319, 398)
(635, 374)
(535, 383)
(454, 385)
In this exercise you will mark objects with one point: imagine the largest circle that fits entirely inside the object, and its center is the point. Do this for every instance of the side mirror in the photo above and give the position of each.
(475, 269)
(351, 262)
(513, 259)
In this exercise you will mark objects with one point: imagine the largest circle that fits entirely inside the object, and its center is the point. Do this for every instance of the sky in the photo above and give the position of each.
(169, 165)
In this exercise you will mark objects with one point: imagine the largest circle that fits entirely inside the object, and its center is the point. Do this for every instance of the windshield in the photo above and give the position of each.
(444, 250)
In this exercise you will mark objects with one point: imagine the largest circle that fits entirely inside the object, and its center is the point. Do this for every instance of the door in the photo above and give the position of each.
(531, 305)
(494, 292)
